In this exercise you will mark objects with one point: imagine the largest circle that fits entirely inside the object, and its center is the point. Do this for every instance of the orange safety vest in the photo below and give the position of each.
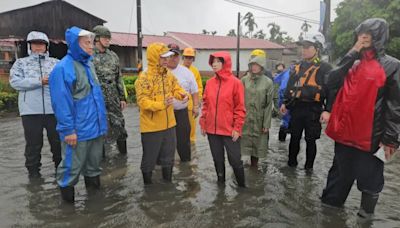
(306, 87)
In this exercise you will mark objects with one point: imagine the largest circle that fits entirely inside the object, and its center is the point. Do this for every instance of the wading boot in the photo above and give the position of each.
(220, 169)
(167, 173)
(253, 161)
(92, 182)
(147, 178)
(121, 144)
(282, 134)
(68, 194)
(368, 203)
(239, 174)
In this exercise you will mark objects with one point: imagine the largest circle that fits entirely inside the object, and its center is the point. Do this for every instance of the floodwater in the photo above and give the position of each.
(277, 196)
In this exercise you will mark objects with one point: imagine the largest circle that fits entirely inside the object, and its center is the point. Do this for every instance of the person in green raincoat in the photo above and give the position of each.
(259, 103)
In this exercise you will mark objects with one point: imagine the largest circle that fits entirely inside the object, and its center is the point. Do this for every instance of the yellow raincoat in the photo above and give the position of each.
(192, 120)
(152, 88)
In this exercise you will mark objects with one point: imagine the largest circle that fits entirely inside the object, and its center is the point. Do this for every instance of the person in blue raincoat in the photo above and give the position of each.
(79, 107)
(281, 78)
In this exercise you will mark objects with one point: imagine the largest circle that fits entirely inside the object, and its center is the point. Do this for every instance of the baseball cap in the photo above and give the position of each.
(174, 48)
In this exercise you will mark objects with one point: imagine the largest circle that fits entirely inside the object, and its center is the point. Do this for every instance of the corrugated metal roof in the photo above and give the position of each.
(200, 41)
(197, 41)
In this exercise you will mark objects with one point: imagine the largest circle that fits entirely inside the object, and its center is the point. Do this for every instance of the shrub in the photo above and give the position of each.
(8, 97)
(129, 80)
(204, 79)
(8, 101)
(131, 93)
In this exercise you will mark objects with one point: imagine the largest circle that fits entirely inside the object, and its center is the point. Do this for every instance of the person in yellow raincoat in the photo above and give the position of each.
(156, 89)
(188, 56)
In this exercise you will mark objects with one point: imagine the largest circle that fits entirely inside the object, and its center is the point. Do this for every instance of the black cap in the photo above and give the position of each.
(174, 48)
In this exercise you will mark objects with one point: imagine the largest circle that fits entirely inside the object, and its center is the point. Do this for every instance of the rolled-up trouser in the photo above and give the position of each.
(160, 146)
(217, 145)
(33, 131)
(193, 124)
(351, 164)
(183, 134)
(84, 158)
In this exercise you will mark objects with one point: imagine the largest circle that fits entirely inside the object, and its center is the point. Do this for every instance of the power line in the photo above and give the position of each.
(291, 16)
(296, 14)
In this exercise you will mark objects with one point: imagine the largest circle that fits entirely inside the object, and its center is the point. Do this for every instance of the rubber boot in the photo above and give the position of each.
(147, 178)
(104, 151)
(34, 173)
(220, 169)
(254, 161)
(282, 134)
(167, 173)
(239, 174)
(68, 194)
(92, 182)
(368, 203)
(121, 144)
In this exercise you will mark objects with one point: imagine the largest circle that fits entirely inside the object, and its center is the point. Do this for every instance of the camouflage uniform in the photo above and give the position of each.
(107, 69)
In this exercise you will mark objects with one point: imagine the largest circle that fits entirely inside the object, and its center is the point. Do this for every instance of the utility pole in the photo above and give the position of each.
(139, 35)
(327, 20)
(238, 47)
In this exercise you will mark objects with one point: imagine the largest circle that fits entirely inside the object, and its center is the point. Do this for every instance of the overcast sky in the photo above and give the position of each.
(191, 16)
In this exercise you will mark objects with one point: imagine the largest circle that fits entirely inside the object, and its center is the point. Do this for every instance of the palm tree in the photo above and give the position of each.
(288, 39)
(260, 35)
(279, 38)
(250, 23)
(205, 32)
(273, 31)
(213, 33)
(231, 32)
(305, 27)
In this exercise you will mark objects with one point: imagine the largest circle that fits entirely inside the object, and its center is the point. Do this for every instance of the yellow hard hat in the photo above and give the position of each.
(258, 52)
(189, 52)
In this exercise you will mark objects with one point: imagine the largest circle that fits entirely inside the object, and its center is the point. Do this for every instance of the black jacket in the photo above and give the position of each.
(386, 123)
(321, 79)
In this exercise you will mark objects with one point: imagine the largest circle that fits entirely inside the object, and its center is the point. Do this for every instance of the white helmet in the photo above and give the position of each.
(35, 36)
(315, 38)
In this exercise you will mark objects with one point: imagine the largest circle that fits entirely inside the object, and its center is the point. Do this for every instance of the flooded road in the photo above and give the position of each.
(277, 196)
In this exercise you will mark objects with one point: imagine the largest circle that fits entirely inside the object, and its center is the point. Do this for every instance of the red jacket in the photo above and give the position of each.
(352, 118)
(223, 101)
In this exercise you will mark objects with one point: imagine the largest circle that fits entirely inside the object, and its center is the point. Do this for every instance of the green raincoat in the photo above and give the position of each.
(259, 102)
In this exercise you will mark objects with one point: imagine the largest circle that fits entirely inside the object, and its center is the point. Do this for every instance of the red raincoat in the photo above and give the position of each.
(223, 101)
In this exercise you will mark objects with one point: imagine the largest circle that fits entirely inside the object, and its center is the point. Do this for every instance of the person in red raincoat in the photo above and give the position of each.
(223, 115)
(365, 93)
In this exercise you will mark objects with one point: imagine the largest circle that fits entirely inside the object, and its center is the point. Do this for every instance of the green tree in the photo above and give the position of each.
(250, 22)
(288, 39)
(350, 13)
(276, 35)
(273, 31)
(305, 27)
(260, 35)
(231, 33)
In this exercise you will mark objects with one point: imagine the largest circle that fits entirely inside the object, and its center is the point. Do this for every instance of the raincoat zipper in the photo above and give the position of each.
(216, 103)
(41, 78)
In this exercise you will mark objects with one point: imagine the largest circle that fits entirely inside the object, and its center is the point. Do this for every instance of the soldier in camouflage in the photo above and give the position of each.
(107, 67)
